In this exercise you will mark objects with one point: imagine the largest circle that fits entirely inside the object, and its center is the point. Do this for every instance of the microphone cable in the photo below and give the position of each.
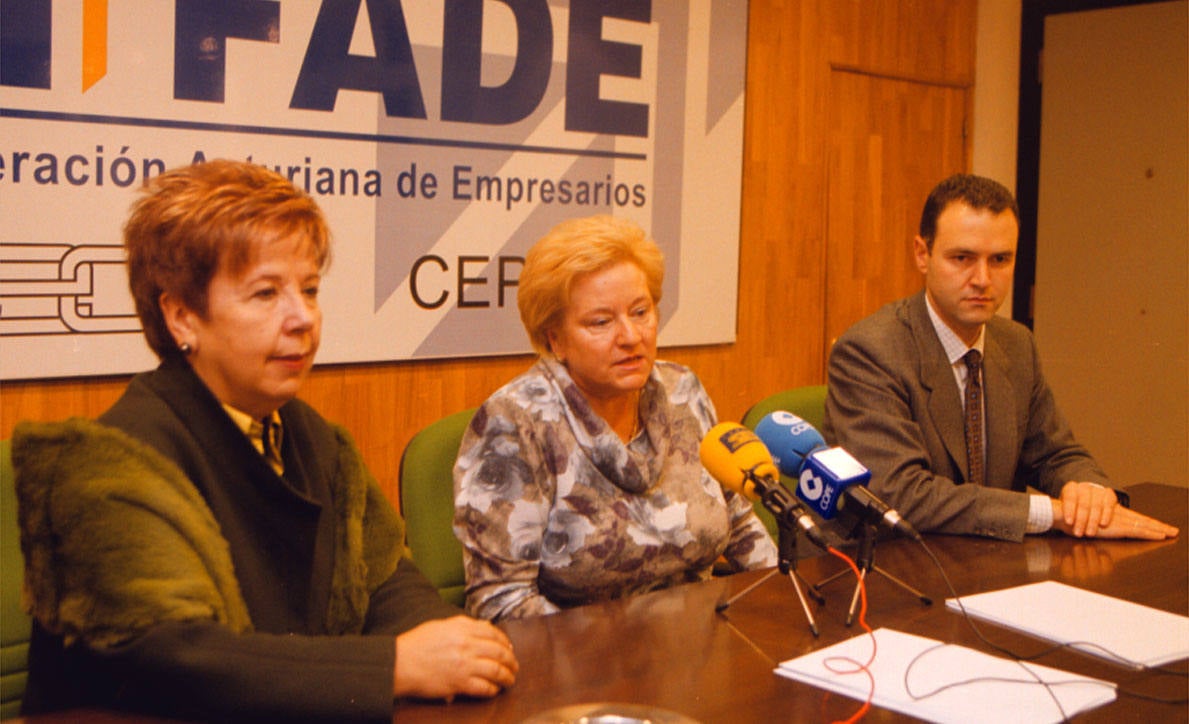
(1078, 646)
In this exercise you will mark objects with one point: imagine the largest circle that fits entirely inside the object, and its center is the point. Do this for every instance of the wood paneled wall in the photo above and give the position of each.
(825, 208)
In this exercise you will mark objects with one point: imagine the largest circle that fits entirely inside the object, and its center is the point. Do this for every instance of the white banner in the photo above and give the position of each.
(441, 138)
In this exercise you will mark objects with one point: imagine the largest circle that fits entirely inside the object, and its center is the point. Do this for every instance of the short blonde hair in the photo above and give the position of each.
(192, 221)
(570, 250)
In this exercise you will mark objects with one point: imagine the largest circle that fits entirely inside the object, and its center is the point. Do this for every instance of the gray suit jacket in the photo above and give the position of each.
(894, 404)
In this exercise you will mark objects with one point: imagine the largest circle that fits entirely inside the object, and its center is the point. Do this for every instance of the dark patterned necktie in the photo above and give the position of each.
(269, 432)
(974, 416)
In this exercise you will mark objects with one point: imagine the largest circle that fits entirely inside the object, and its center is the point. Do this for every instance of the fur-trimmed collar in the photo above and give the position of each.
(117, 539)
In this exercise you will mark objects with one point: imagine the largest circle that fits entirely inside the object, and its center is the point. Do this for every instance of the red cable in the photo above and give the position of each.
(863, 623)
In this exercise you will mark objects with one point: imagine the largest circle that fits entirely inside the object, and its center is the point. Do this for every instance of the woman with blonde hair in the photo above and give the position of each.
(580, 479)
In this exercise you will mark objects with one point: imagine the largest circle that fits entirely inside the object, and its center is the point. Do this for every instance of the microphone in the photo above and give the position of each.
(739, 461)
(789, 439)
(829, 478)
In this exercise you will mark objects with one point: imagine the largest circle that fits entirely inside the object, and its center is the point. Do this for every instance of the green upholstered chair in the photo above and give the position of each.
(15, 624)
(427, 503)
(808, 403)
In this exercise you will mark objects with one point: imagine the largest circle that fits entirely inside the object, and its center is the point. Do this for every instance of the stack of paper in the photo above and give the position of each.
(1120, 631)
(948, 683)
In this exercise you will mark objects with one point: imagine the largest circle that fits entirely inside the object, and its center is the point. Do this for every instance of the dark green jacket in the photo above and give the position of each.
(168, 566)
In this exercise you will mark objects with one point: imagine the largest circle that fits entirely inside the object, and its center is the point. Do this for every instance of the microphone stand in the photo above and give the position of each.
(865, 562)
(787, 550)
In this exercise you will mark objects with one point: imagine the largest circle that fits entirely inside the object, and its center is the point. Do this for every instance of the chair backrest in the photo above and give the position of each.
(15, 624)
(808, 403)
(427, 503)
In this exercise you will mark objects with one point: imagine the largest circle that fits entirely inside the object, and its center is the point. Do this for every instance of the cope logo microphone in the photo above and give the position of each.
(829, 479)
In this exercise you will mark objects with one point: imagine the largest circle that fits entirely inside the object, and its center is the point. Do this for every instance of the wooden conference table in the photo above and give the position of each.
(671, 650)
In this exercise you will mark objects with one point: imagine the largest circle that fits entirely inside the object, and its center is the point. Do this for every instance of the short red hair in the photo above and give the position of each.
(191, 222)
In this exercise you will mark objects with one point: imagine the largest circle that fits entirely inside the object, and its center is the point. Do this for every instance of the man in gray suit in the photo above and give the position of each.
(899, 379)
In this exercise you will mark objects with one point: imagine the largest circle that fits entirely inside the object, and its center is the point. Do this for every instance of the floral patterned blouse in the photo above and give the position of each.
(554, 510)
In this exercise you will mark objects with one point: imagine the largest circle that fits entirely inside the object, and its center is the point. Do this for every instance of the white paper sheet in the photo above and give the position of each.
(1120, 631)
(970, 686)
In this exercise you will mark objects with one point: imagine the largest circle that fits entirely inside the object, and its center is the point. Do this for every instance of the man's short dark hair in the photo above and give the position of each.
(977, 192)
